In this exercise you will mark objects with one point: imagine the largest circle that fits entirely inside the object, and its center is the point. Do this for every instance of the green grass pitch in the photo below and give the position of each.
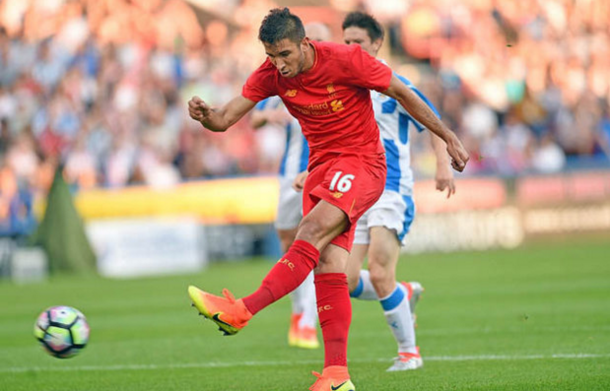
(536, 318)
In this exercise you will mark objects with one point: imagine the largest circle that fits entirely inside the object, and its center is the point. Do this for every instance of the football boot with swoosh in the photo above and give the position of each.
(229, 314)
(333, 378)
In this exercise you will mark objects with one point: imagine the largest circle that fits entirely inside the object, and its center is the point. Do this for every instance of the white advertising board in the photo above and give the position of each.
(465, 230)
(147, 246)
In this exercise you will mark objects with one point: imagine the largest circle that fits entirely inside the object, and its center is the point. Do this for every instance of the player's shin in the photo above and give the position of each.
(285, 276)
(335, 314)
(398, 316)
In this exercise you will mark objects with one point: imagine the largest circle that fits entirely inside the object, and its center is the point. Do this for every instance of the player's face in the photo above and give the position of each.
(287, 56)
(359, 36)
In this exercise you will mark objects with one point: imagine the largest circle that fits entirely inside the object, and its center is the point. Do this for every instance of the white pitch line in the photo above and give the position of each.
(147, 367)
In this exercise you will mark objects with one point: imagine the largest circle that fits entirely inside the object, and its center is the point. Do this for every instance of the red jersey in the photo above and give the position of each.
(331, 100)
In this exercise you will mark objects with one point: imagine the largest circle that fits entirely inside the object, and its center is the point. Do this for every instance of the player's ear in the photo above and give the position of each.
(304, 43)
(377, 44)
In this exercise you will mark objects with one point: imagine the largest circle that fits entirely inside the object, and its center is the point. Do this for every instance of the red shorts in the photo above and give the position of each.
(352, 183)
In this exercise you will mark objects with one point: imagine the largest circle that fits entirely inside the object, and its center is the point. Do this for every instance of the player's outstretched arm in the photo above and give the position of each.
(424, 115)
(219, 120)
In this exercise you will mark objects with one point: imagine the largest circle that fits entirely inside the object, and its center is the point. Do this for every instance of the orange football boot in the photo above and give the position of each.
(229, 314)
(333, 378)
(308, 338)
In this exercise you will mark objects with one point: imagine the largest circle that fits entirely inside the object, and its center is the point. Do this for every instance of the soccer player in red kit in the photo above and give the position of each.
(326, 87)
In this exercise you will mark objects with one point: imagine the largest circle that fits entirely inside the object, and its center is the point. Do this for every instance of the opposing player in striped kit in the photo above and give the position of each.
(381, 230)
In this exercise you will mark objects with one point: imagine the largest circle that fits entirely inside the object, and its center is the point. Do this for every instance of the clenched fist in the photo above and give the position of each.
(198, 109)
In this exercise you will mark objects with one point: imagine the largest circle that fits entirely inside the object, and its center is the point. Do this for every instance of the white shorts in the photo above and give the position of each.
(393, 211)
(290, 205)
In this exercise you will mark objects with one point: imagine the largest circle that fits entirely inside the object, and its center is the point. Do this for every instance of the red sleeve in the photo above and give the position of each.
(261, 84)
(366, 71)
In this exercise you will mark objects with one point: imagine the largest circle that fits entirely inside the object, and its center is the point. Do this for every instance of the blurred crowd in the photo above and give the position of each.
(525, 83)
(99, 86)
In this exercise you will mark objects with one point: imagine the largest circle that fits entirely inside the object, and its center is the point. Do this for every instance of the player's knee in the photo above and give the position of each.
(331, 264)
(381, 276)
(307, 232)
(380, 256)
(312, 230)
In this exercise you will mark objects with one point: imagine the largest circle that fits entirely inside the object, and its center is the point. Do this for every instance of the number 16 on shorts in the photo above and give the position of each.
(341, 182)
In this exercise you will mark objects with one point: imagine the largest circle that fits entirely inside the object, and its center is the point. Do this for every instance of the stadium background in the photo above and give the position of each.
(102, 171)
(99, 88)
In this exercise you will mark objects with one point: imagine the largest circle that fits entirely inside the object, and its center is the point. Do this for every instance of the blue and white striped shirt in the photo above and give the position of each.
(394, 125)
(296, 152)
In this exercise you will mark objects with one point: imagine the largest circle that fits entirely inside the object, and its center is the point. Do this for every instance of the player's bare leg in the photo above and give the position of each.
(381, 282)
(361, 287)
(323, 223)
(384, 250)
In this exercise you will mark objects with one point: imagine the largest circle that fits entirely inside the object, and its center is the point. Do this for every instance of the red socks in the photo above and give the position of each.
(335, 313)
(287, 274)
(334, 305)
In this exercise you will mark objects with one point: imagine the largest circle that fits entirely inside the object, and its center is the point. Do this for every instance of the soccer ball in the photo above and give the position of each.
(62, 331)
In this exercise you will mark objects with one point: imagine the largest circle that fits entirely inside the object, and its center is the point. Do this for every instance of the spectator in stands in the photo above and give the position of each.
(99, 85)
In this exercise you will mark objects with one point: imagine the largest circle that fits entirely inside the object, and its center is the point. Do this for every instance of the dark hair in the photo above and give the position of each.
(281, 24)
(366, 22)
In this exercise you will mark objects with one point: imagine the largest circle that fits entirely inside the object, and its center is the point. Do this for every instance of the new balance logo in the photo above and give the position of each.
(287, 262)
(337, 194)
(291, 93)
